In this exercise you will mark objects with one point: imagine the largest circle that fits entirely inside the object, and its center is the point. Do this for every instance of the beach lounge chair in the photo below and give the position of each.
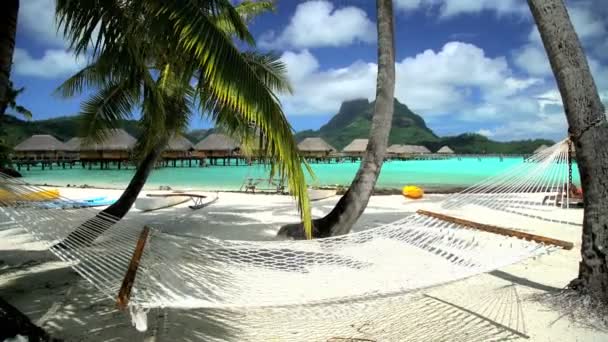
(252, 185)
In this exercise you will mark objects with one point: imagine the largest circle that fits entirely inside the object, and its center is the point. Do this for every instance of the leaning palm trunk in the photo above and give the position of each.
(89, 231)
(589, 132)
(8, 30)
(350, 207)
(14, 322)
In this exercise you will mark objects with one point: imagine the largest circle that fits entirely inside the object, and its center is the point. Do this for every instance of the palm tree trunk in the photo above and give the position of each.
(14, 322)
(350, 207)
(89, 231)
(8, 29)
(589, 132)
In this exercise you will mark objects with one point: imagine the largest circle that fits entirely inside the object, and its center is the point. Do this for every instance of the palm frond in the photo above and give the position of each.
(270, 69)
(88, 77)
(26, 113)
(107, 108)
(247, 10)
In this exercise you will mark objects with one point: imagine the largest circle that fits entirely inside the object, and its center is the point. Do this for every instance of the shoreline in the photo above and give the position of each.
(340, 190)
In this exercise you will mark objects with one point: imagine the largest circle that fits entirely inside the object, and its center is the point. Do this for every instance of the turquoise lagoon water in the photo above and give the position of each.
(444, 173)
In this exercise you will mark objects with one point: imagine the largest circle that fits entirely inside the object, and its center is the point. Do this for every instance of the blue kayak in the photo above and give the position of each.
(81, 203)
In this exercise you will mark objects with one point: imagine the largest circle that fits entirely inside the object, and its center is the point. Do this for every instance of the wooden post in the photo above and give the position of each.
(127, 283)
(499, 230)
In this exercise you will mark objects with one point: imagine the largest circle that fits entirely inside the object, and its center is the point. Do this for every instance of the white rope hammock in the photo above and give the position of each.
(408, 255)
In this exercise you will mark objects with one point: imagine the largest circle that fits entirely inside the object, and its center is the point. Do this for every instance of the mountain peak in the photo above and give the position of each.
(353, 121)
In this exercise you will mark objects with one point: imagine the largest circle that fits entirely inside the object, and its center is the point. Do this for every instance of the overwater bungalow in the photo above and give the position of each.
(397, 150)
(356, 148)
(422, 149)
(116, 147)
(73, 148)
(405, 151)
(445, 150)
(178, 147)
(42, 148)
(315, 148)
(217, 146)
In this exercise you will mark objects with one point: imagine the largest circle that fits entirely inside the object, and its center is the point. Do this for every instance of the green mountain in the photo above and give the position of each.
(354, 121)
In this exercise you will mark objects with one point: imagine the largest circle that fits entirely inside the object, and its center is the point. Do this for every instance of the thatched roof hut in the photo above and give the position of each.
(179, 143)
(216, 145)
(395, 149)
(73, 145)
(445, 150)
(178, 147)
(40, 143)
(401, 149)
(40, 146)
(114, 140)
(117, 144)
(357, 146)
(315, 146)
(541, 148)
(406, 149)
(422, 149)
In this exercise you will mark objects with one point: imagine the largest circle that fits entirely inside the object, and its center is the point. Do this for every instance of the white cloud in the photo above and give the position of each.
(591, 29)
(54, 63)
(445, 83)
(533, 59)
(318, 23)
(37, 20)
(486, 132)
(587, 23)
(321, 91)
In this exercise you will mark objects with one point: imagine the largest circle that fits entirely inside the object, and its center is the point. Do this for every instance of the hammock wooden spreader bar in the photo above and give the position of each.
(499, 230)
(127, 283)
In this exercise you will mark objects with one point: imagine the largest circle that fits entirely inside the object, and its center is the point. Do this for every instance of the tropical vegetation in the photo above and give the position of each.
(171, 60)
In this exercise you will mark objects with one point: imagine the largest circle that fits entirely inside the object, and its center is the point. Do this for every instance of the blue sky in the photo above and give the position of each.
(463, 65)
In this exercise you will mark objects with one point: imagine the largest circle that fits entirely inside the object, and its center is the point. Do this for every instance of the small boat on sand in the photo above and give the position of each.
(160, 201)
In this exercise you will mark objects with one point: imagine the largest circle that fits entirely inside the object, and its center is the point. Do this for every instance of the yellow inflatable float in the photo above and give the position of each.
(42, 195)
(413, 192)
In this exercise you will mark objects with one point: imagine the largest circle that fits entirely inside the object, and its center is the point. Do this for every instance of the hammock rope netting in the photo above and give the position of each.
(415, 253)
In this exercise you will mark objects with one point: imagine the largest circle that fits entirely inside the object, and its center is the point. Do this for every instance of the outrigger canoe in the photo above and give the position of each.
(150, 203)
(160, 201)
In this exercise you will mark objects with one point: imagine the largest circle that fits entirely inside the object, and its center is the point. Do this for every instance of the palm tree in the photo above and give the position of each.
(350, 207)
(174, 59)
(5, 150)
(8, 29)
(11, 101)
(589, 132)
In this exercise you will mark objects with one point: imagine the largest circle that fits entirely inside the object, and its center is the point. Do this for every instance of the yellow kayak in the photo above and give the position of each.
(42, 195)
(412, 192)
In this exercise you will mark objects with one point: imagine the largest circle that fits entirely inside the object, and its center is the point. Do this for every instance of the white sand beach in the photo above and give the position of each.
(521, 301)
